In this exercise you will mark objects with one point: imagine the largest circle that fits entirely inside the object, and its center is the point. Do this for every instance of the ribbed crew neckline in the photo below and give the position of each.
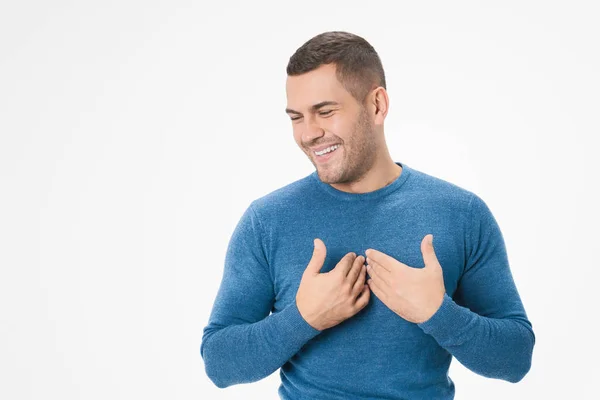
(375, 194)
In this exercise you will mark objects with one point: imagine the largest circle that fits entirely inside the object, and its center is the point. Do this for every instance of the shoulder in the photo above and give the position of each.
(284, 198)
(441, 192)
(444, 194)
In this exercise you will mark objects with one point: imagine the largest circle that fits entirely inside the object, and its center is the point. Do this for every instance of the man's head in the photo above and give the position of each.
(336, 96)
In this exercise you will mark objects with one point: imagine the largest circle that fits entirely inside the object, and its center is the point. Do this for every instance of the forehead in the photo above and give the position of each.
(312, 87)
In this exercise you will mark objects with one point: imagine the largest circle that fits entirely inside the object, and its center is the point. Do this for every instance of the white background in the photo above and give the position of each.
(133, 134)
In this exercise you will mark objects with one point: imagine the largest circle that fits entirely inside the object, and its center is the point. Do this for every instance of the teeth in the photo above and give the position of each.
(327, 150)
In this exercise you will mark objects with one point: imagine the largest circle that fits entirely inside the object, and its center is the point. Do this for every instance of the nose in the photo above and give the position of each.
(311, 131)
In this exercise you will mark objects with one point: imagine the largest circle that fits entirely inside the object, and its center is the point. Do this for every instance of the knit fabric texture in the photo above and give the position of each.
(255, 327)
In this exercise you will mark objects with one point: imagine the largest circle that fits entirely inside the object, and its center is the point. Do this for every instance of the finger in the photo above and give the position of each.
(376, 289)
(371, 260)
(375, 269)
(428, 252)
(363, 298)
(346, 263)
(383, 259)
(318, 258)
(356, 268)
(360, 282)
(382, 284)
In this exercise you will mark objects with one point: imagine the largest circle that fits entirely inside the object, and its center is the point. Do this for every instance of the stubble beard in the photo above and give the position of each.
(358, 155)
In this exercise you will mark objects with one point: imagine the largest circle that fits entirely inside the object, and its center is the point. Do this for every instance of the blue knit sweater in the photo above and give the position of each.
(255, 327)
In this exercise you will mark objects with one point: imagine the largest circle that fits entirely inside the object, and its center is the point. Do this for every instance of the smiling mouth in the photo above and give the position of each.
(323, 158)
(327, 150)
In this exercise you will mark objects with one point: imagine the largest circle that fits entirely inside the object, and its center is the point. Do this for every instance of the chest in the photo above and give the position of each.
(397, 237)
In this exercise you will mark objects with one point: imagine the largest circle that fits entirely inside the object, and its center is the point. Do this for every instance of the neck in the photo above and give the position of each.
(381, 174)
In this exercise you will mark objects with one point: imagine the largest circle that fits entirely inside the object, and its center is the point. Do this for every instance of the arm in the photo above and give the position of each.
(485, 327)
(242, 343)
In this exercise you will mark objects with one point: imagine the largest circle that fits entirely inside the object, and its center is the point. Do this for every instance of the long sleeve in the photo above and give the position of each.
(484, 324)
(243, 342)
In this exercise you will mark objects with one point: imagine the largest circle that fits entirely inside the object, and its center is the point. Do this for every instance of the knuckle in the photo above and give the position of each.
(347, 286)
(363, 302)
(350, 305)
(359, 305)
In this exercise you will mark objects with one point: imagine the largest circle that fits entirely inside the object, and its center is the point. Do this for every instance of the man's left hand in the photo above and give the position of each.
(415, 294)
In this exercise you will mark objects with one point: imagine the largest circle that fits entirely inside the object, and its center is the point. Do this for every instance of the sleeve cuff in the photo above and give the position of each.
(448, 322)
(294, 325)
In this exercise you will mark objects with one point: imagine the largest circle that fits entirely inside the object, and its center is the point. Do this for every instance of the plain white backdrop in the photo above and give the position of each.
(133, 134)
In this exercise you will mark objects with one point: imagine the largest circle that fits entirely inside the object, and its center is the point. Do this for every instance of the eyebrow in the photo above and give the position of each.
(314, 108)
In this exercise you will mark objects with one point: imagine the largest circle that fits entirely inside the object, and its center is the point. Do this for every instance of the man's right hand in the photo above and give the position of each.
(326, 299)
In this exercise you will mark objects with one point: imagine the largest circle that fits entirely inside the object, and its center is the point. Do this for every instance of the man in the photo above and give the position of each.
(295, 293)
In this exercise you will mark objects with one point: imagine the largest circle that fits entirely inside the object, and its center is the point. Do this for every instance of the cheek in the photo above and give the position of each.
(341, 127)
(297, 135)
(298, 139)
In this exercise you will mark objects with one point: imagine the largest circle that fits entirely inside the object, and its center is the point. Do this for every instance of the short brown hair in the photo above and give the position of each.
(358, 66)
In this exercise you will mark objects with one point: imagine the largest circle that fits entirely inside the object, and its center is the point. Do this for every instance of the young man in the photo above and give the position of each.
(295, 293)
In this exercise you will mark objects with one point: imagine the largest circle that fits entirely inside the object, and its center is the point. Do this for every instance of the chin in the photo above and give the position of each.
(328, 176)
(330, 173)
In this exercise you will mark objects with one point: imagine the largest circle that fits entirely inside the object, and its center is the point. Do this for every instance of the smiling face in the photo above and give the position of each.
(324, 114)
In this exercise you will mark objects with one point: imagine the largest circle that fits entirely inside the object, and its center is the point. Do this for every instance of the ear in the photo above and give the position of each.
(381, 103)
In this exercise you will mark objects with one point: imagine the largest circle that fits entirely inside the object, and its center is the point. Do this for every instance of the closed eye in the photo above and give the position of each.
(321, 113)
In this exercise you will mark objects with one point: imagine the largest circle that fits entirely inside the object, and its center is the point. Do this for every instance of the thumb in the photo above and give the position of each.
(318, 258)
(428, 252)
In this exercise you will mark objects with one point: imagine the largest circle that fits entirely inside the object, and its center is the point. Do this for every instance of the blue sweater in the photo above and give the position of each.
(255, 327)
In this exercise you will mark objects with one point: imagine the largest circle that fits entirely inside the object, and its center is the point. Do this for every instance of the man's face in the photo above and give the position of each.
(323, 114)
